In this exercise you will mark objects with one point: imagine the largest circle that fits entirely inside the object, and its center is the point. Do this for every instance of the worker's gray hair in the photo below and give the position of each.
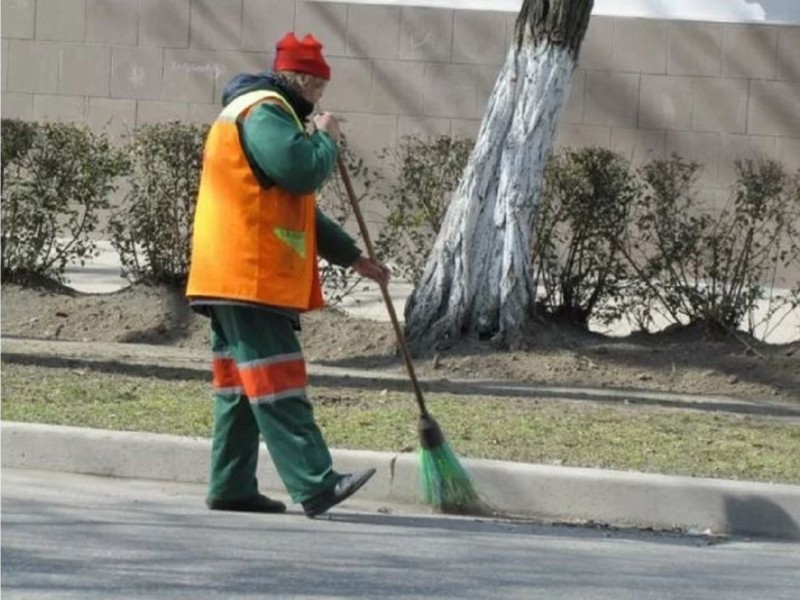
(297, 81)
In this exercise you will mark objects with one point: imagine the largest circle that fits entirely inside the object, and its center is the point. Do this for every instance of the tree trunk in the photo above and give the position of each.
(479, 279)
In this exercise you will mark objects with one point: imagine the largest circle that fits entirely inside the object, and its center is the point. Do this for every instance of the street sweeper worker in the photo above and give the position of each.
(256, 237)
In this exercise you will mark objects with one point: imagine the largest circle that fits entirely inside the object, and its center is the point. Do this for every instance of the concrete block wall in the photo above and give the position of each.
(646, 88)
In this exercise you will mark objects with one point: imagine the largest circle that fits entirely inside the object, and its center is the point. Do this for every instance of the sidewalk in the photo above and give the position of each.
(512, 490)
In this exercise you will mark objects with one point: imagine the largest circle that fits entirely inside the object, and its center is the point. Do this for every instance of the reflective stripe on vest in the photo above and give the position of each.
(250, 243)
(247, 101)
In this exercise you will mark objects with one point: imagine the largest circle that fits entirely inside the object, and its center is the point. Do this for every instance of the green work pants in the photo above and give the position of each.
(259, 388)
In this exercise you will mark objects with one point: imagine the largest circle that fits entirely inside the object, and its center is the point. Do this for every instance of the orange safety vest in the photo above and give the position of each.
(250, 243)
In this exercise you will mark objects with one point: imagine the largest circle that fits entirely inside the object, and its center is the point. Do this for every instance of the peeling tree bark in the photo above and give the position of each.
(478, 279)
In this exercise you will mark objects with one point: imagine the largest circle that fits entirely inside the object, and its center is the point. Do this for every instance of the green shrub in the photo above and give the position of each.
(711, 268)
(152, 231)
(56, 178)
(428, 173)
(665, 239)
(17, 139)
(583, 217)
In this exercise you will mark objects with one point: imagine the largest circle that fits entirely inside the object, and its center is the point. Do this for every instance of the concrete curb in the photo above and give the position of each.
(542, 492)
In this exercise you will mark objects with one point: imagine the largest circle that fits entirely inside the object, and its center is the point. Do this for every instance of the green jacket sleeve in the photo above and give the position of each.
(296, 162)
(333, 243)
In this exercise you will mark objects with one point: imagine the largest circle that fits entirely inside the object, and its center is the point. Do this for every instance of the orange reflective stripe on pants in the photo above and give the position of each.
(261, 380)
(226, 378)
(274, 378)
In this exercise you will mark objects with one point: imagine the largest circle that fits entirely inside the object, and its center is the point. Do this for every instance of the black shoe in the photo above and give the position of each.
(347, 485)
(259, 503)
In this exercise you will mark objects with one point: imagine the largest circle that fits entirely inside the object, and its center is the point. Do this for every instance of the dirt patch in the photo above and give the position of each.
(677, 361)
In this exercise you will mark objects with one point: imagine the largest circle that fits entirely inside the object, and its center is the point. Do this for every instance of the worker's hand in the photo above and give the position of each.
(327, 122)
(379, 273)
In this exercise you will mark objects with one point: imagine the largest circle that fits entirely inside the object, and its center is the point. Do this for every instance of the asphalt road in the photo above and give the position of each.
(70, 536)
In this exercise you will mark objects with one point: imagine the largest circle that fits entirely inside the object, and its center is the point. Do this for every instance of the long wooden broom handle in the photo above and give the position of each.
(401, 339)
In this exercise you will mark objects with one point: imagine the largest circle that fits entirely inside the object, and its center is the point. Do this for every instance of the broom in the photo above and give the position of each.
(444, 481)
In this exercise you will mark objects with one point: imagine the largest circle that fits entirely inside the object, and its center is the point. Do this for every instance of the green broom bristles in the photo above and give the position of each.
(445, 483)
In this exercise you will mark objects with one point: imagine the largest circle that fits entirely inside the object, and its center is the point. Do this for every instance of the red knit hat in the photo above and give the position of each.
(301, 56)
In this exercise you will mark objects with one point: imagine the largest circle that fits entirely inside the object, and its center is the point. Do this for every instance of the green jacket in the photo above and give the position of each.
(300, 164)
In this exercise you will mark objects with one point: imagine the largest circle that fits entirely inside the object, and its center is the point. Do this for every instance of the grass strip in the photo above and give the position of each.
(638, 438)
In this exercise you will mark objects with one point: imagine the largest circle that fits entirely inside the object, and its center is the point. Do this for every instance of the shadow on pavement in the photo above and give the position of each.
(760, 514)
